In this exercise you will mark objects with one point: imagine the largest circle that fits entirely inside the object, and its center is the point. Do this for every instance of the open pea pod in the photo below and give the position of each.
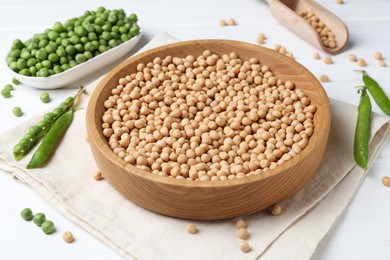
(37, 132)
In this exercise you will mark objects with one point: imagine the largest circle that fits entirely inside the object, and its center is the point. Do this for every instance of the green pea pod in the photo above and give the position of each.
(37, 132)
(377, 93)
(51, 140)
(362, 130)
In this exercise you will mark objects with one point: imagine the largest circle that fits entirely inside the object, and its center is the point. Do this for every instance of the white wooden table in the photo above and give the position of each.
(363, 232)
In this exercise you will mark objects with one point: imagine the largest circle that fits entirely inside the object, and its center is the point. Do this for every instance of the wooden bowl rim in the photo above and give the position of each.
(94, 130)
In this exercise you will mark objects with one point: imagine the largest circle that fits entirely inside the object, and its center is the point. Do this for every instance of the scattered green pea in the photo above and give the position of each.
(26, 214)
(15, 81)
(6, 93)
(39, 219)
(48, 227)
(17, 111)
(9, 87)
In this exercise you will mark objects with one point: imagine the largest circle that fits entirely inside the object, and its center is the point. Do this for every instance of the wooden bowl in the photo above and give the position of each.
(209, 200)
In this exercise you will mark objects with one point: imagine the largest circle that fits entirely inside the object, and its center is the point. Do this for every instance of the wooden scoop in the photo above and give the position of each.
(287, 13)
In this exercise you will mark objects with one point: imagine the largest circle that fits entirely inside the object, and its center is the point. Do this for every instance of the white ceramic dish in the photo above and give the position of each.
(80, 71)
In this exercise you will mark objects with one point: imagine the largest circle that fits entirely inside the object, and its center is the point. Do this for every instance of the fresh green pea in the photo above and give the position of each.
(46, 64)
(15, 81)
(133, 17)
(25, 72)
(39, 219)
(48, 227)
(58, 27)
(42, 43)
(51, 140)
(17, 111)
(57, 69)
(13, 66)
(52, 35)
(41, 54)
(50, 49)
(26, 214)
(9, 87)
(17, 44)
(31, 62)
(377, 93)
(45, 97)
(43, 72)
(34, 130)
(33, 71)
(80, 58)
(6, 93)
(21, 64)
(362, 130)
(25, 54)
(53, 57)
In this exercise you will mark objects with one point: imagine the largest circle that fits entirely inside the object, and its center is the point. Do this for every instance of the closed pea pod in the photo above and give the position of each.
(377, 93)
(362, 130)
(51, 140)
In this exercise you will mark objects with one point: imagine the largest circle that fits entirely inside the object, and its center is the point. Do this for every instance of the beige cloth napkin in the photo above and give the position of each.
(137, 233)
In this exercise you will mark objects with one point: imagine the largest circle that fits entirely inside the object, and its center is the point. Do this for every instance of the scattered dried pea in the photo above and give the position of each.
(232, 22)
(382, 63)
(328, 60)
(243, 233)
(340, 2)
(352, 57)
(222, 22)
(68, 237)
(324, 78)
(316, 56)
(378, 56)
(191, 228)
(361, 62)
(97, 175)
(241, 223)
(260, 38)
(276, 210)
(386, 181)
(245, 247)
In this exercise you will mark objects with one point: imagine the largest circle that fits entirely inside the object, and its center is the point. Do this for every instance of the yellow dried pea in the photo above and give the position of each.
(68, 237)
(340, 2)
(243, 233)
(316, 56)
(240, 223)
(378, 56)
(386, 181)
(222, 22)
(232, 22)
(326, 35)
(260, 38)
(361, 62)
(352, 57)
(276, 210)
(244, 246)
(382, 63)
(97, 175)
(328, 60)
(324, 78)
(192, 229)
(163, 120)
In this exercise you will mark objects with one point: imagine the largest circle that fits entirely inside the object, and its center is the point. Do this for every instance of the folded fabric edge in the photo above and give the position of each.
(353, 178)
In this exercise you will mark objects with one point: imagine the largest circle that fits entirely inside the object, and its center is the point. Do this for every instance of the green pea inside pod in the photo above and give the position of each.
(35, 130)
(58, 111)
(49, 117)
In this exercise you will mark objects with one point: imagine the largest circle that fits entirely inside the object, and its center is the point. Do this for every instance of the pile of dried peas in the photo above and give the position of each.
(326, 35)
(206, 118)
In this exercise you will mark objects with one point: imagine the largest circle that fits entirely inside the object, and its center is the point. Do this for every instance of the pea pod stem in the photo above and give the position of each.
(31, 138)
(377, 93)
(51, 140)
(362, 130)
